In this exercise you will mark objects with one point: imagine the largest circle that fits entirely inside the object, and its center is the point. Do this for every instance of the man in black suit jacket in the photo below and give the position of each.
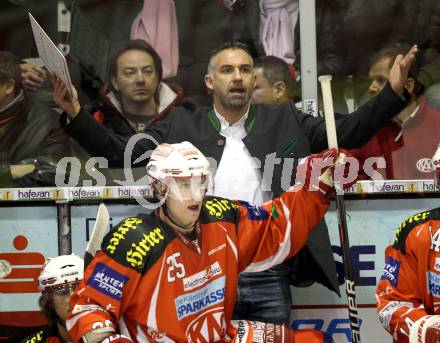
(276, 136)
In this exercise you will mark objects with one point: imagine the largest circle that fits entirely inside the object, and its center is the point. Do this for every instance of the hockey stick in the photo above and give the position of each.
(340, 209)
(94, 244)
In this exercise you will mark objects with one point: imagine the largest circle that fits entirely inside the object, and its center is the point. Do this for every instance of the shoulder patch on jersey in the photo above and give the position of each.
(255, 212)
(136, 242)
(107, 281)
(391, 271)
(410, 223)
(218, 209)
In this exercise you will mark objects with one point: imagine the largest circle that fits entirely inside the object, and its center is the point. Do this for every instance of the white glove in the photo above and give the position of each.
(425, 330)
(5, 268)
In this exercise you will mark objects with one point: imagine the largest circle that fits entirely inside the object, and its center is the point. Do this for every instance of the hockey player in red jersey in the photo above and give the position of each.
(172, 276)
(408, 293)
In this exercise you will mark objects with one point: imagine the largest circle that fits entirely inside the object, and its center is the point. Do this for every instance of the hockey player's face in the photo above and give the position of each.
(184, 200)
(136, 78)
(61, 300)
(231, 78)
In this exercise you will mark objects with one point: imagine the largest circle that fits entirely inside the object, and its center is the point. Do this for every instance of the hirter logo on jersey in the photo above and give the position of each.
(391, 271)
(197, 301)
(107, 281)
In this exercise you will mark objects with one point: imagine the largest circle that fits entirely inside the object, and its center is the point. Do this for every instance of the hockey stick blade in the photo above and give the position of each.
(101, 223)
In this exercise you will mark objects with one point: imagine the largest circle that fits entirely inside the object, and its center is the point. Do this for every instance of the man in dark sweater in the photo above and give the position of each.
(31, 140)
(256, 147)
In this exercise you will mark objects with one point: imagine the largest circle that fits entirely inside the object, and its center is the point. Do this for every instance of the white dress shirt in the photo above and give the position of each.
(238, 175)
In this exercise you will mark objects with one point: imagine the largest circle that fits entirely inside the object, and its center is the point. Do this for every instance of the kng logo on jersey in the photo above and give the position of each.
(209, 326)
(202, 277)
(213, 293)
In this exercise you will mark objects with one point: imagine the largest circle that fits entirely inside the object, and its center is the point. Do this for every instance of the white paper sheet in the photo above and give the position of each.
(53, 59)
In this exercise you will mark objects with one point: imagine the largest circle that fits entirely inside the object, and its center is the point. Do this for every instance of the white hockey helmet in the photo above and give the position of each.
(174, 161)
(61, 270)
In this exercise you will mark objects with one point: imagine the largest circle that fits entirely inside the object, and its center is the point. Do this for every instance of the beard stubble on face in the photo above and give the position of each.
(236, 97)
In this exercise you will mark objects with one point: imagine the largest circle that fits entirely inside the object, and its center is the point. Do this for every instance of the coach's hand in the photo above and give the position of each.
(62, 99)
(399, 71)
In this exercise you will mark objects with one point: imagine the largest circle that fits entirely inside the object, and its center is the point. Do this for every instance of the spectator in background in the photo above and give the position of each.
(134, 97)
(280, 36)
(419, 23)
(407, 141)
(273, 81)
(370, 25)
(367, 26)
(31, 141)
(280, 33)
(137, 96)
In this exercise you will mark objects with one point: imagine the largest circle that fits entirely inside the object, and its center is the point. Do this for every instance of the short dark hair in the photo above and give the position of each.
(10, 69)
(275, 69)
(227, 46)
(391, 52)
(136, 44)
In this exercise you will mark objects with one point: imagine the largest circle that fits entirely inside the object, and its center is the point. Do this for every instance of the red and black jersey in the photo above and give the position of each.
(409, 287)
(157, 285)
(48, 334)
